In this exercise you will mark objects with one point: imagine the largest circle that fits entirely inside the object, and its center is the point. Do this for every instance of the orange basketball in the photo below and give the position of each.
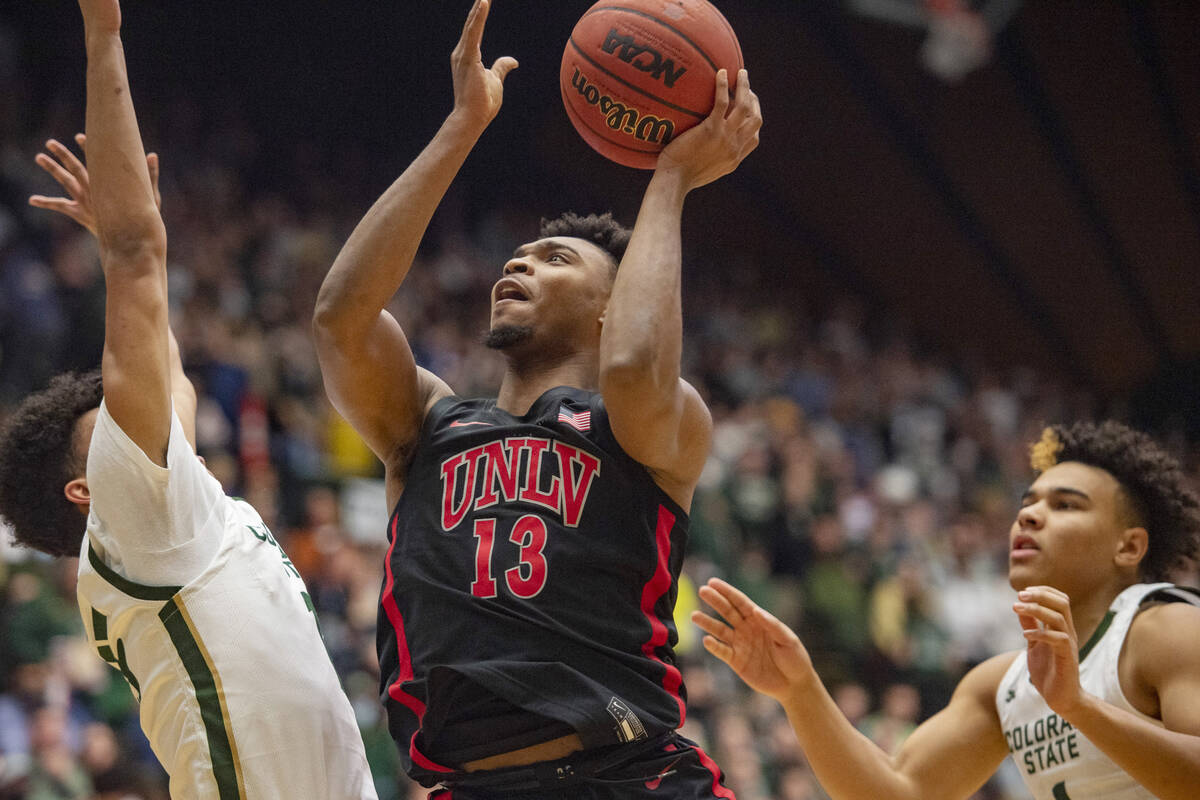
(637, 73)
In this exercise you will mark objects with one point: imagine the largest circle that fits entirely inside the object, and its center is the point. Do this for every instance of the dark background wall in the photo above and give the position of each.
(1044, 210)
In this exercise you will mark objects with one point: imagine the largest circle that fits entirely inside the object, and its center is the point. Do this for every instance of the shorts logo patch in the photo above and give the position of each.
(629, 727)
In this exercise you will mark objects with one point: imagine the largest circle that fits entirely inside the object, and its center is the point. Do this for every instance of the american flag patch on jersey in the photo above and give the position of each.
(580, 421)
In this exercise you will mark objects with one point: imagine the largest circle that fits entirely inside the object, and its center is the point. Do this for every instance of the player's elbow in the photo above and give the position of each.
(635, 371)
(627, 373)
(337, 329)
(330, 319)
(640, 385)
(630, 362)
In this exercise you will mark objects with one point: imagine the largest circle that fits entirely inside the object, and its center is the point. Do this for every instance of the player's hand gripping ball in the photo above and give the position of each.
(637, 73)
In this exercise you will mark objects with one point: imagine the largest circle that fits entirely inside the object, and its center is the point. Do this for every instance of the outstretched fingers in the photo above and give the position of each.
(719, 638)
(472, 35)
(743, 606)
(719, 601)
(65, 168)
(719, 649)
(712, 626)
(60, 204)
(70, 173)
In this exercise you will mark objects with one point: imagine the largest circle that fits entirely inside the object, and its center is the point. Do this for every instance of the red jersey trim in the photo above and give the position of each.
(652, 592)
(420, 759)
(396, 689)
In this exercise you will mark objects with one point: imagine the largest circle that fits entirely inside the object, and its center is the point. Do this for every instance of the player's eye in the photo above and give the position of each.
(556, 257)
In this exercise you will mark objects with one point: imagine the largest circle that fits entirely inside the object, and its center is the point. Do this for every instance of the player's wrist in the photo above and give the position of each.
(670, 184)
(100, 29)
(799, 688)
(468, 122)
(1079, 708)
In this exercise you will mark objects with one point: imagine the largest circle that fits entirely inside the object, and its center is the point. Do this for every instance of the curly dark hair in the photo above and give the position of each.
(1153, 482)
(38, 458)
(599, 229)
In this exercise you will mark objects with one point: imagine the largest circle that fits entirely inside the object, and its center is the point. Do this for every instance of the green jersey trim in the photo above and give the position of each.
(138, 590)
(1101, 629)
(209, 696)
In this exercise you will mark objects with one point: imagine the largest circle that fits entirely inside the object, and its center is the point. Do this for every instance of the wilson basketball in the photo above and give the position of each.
(637, 73)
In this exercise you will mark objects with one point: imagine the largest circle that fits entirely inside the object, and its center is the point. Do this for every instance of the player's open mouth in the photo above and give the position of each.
(1024, 546)
(510, 290)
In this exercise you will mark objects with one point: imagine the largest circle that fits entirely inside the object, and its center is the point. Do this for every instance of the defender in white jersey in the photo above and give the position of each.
(1107, 519)
(238, 698)
(1048, 751)
(182, 589)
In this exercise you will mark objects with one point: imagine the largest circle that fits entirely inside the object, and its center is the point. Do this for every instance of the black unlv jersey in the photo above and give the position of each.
(532, 576)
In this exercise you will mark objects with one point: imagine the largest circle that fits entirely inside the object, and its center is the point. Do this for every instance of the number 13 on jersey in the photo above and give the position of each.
(527, 577)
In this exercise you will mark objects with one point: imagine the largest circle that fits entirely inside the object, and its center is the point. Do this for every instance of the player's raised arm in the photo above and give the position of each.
(659, 419)
(949, 756)
(70, 173)
(133, 242)
(369, 370)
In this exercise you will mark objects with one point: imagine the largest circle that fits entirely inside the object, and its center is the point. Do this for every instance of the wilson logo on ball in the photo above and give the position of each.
(619, 117)
(642, 57)
(637, 74)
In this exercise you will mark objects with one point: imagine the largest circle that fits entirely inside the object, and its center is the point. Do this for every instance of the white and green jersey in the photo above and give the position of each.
(238, 696)
(1055, 760)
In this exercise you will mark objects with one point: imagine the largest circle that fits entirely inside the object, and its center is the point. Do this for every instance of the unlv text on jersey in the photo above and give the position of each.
(545, 472)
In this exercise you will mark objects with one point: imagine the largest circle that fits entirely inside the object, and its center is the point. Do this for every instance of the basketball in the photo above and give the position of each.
(637, 73)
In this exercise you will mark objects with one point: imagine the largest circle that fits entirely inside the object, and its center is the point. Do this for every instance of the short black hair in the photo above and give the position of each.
(599, 229)
(1153, 481)
(38, 458)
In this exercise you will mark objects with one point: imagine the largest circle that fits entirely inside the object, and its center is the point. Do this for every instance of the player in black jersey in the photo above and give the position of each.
(525, 630)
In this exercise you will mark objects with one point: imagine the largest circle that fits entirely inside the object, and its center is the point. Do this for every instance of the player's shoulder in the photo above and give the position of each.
(1161, 646)
(1166, 621)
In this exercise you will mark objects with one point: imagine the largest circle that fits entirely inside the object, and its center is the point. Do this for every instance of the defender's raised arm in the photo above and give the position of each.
(772, 660)
(133, 242)
(73, 177)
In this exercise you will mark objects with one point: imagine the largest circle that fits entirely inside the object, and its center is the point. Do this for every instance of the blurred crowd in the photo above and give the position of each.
(861, 485)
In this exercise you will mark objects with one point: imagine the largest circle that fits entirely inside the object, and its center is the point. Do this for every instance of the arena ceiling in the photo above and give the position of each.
(1044, 209)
